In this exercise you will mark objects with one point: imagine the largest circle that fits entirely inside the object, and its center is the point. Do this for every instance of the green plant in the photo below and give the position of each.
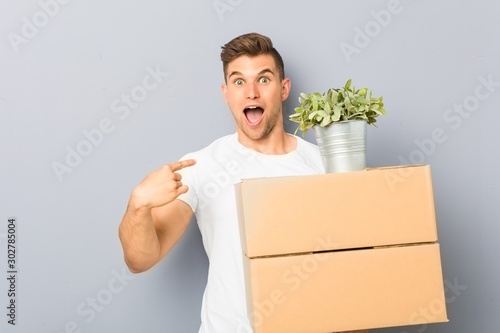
(346, 103)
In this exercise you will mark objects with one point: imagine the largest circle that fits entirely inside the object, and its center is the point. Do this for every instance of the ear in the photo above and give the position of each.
(223, 88)
(286, 85)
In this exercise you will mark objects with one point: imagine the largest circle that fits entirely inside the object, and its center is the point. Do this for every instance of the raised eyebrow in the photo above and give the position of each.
(234, 73)
(266, 70)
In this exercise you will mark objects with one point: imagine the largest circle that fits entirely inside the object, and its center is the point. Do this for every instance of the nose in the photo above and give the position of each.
(252, 91)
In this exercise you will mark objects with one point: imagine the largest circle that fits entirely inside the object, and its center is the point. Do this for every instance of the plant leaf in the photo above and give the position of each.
(315, 102)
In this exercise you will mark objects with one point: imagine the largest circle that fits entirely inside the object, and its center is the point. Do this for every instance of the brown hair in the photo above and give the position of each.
(252, 44)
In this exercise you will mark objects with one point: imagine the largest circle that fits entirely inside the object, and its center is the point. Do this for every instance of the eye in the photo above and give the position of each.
(264, 80)
(238, 82)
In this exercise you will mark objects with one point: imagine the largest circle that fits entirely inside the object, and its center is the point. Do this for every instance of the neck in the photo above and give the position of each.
(275, 143)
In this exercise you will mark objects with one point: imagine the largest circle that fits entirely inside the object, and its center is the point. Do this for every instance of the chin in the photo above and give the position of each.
(256, 134)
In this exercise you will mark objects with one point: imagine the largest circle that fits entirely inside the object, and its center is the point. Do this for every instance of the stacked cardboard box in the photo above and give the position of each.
(338, 252)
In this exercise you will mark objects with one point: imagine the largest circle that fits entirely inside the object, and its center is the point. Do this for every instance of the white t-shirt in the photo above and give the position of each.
(211, 196)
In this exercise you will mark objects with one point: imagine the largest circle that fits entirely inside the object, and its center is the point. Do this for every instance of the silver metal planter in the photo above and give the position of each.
(342, 145)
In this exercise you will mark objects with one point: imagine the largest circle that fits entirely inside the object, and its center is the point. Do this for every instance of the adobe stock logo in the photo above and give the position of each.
(221, 7)
(452, 290)
(371, 30)
(122, 107)
(31, 27)
(93, 305)
(454, 118)
(293, 278)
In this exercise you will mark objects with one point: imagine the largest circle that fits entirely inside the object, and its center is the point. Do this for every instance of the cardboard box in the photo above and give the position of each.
(376, 207)
(337, 252)
(345, 290)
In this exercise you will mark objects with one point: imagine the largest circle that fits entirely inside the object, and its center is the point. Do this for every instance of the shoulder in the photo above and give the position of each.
(306, 147)
(217, 146)
(310, 153)
(211, 158)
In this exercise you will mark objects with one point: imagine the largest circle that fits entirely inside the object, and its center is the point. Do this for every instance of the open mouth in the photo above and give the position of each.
(253, 115)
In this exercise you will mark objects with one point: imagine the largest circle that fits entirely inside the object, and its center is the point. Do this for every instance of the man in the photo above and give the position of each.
(201, 183)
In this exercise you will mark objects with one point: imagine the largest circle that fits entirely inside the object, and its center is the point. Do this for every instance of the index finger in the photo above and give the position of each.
(176, 166)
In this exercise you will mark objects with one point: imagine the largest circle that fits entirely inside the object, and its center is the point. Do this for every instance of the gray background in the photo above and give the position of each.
(68, 76)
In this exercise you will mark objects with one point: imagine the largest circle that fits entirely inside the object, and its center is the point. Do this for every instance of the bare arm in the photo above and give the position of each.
(154, 220)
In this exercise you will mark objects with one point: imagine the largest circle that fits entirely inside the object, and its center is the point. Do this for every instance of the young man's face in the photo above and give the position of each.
(254, 93)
